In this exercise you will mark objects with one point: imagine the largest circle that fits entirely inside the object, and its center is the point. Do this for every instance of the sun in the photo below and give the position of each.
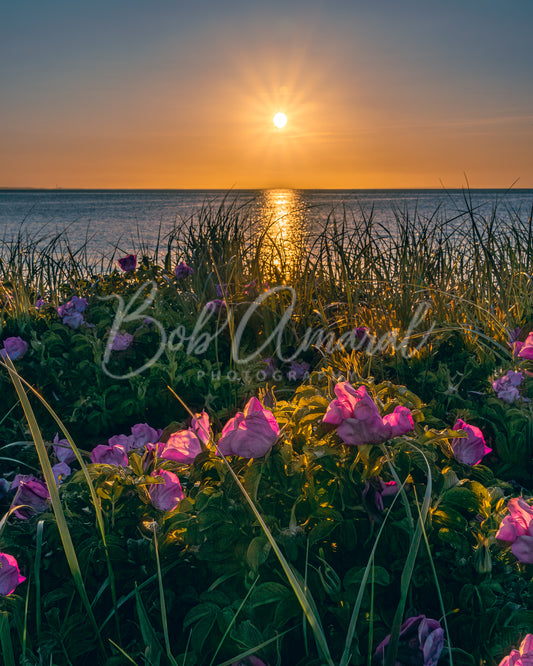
(280, 120)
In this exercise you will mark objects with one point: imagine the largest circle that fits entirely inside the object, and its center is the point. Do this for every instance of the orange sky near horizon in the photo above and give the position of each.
(96, 98)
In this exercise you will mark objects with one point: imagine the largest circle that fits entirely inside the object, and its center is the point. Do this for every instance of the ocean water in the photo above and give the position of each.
(131, 220)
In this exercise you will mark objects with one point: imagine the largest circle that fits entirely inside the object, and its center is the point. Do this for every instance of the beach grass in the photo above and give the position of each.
(456, 287)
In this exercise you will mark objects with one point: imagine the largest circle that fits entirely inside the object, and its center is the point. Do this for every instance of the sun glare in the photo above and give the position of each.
(280, 120)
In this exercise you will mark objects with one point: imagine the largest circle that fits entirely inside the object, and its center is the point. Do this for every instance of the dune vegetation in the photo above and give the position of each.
(231, 451)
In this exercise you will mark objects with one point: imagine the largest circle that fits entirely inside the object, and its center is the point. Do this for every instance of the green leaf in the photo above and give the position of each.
(450, 518)
(355, 575)
(462, 498)
(321, 530)
(268, 593)
(154, 649)
(454, 539)
(257, 552)
(200, 612)
(247, 634)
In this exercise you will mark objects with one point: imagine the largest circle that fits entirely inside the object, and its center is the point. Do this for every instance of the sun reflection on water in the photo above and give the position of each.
(283, 221)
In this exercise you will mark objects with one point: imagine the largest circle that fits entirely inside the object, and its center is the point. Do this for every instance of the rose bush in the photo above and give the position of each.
(322, 500)
(325, 491)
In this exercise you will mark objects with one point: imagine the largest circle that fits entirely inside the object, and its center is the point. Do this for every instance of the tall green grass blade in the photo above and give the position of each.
(123, 653)
(129, 596)
(407, 573)
(437, 584)
(350, 634)
(371, 620)
(5, 640)
(233, 620)
(20, 462)
(248, 653)
(25, 622)
(37, 575)
(304, 620)
(162, 600)
(8, 513)
(399, 484)
(153, 649)
(68, 546)
(187, 648)
(92, 490)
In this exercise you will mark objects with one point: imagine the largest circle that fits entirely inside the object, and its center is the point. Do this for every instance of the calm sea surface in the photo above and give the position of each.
(130, 220)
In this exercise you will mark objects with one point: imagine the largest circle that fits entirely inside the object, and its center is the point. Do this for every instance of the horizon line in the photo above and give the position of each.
(252, 189)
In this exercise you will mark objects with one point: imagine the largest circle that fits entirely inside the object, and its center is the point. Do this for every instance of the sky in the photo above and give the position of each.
(173, 94)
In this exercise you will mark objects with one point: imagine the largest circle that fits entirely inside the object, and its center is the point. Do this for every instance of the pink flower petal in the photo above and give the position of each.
(182, 446)
(522, 549)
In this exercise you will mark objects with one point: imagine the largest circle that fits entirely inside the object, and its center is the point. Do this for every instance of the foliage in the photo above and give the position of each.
(431, 305)
(225, 592)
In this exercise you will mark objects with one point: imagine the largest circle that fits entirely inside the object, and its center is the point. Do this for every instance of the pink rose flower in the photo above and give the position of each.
(165, 496)
(31, 492)
(9, 574)
(128, 263)
(183, 271)
(14, 347)
(215, 305)
(521, 657)
(421, 642)
(121, 341)
(342, 407)
(517, 529)
(182, 446)
(73, 319)
(506, 387)
(63, 450)
(143, 434)
(79, 304)
(400, 421)
(298, 370)
(71, 312)
(250, 434)
(221, 290)
(252, 660)
(61, 470)
(376, 489)
(358, 418)
(109, 455)
(122, 440)
(525, 350)
(200, 426)
(472, 448)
